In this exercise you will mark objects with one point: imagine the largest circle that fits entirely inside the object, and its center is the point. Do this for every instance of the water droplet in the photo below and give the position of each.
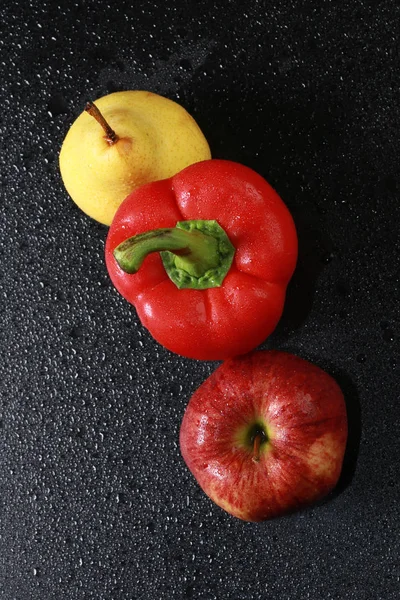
(185, 64)
(388, 335)
(57, 105)
(112, 87)
(328, 257)
(76, 332)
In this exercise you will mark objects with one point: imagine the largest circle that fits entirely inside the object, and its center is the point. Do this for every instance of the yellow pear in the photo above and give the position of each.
(124, 140)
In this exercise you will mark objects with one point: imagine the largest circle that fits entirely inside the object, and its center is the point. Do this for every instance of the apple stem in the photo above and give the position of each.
(256, 447)
(110, 137)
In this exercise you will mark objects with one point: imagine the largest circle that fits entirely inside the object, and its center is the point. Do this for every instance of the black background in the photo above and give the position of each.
(95, 499)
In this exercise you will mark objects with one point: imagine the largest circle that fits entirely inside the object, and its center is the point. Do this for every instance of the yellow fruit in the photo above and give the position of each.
(128, 139)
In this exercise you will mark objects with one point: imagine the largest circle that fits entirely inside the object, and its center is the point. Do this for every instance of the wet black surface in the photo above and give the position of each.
(95, 501)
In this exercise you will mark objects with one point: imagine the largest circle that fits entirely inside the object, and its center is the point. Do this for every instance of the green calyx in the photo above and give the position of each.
(195, 254)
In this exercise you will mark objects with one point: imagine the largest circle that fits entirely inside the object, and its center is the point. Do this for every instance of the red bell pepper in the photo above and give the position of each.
(218, 248)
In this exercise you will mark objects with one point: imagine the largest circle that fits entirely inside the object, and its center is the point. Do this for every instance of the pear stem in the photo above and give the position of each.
(110, 137)
(256, 446)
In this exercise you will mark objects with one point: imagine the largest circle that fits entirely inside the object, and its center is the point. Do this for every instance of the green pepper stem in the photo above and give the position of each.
(110, 137)
(195, 251)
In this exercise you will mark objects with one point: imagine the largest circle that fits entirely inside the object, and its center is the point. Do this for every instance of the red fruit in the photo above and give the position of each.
(265, 435)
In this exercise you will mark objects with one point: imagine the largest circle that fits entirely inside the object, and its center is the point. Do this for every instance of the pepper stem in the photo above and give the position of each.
(111, 137)
(195, 254)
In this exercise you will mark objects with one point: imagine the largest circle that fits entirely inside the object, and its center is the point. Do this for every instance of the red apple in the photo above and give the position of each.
(265, 435)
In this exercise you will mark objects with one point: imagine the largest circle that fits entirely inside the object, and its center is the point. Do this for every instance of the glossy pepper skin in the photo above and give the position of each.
(218, 322)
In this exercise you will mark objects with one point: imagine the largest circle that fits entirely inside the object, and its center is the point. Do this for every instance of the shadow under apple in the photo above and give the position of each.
(354, 420)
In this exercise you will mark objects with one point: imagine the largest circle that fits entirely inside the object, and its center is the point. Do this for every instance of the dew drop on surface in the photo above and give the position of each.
(185, 64)
(57, 105)
(328, 257)
(388, 335)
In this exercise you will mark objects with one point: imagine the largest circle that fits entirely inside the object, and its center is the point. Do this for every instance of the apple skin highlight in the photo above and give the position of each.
(303, 414)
